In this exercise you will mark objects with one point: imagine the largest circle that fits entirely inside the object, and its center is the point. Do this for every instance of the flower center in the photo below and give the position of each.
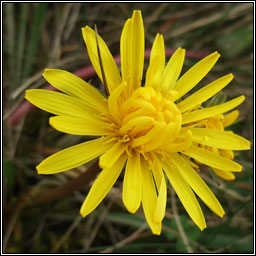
(148, 120)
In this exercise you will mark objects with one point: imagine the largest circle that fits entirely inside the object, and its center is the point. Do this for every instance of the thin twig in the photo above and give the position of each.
(16, 138)
(178, 222)
(26, 84)
(56, 48)
(227, 191)
(68, 187)
(100, 61)
(195, 243)
(234, 13)
(98, 225)
(12, 223)
(10, 38)
(67, 234)
(74, 15)
(134, 236)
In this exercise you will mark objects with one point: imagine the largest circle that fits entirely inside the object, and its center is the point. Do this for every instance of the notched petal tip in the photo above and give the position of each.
(159, 35)
(156, 231)
(137, 12)
(38, 169)
(83, 213)
(85, 28)
(131, 210)
(85, 31)
(213, 56)
(216, 54)
(41, 170)
(26, 94)
(181, 50)
(102, 165)
(203, 227)
(137, 16)
(230, 178)
(29, 94)
(51, 121)
(248, 144)
(231, 76)
(242, 98)
(49, 71)
(221, 214)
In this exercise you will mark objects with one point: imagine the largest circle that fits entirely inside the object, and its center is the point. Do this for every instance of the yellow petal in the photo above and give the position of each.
(185, 194)
(211, 111)
(132, 184)
(218, 139)
(172, 71)
(226, 175)
(152, 135)
(111, 71)
(137, 44)
(212, 159)
(77, 126)
(111, 156)
(197, 184)
(157, 62)
(158, 49)
(230, 118)
(189, 162)
(137, 125)
(76, 87)
(170, 128)
(132, 50)
(205, 93)
(73, 157)
(159, 180)
(149, 197)
(161, 202)
(226, 153)
(154, 72)
(132, 103)
(60, 104)
(195, 74)
(125, 50)
(113, 102)
(102, 185)
(156, 169)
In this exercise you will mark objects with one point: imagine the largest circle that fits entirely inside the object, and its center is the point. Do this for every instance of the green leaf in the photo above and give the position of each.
(236, 42)
(191, 230)
(21, 39)
(9, 173)
(125, 219)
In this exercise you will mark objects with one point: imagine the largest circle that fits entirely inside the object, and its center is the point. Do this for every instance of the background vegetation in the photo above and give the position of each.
(40, 35)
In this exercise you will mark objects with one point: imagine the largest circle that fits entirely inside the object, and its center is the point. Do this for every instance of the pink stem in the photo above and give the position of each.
(86, 73)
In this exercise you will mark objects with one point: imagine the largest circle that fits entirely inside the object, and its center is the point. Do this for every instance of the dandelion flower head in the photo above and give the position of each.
(148, 129)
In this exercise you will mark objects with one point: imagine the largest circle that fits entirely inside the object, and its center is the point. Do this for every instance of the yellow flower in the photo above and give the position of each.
(220, 122)
(142, 129)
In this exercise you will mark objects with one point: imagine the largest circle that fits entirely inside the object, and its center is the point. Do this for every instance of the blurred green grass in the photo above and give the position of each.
(40, 35)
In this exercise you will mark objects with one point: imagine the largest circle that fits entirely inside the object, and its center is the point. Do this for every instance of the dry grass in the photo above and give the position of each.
(40, 35)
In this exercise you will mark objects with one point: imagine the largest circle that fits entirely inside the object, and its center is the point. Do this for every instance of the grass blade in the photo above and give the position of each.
(10, 38)
(21, 40)
(34, 36)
